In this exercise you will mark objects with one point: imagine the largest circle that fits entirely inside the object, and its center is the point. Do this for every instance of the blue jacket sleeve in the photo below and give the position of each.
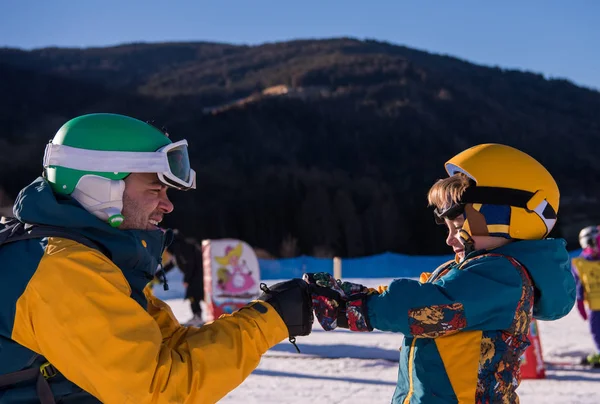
(578, 284)
(483, 295)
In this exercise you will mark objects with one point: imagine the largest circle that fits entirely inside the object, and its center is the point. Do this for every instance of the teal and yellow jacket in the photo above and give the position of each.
(466, 324)
(96, 322)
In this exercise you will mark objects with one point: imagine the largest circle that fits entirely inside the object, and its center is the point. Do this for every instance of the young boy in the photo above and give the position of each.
(586, 269)
(466, 323)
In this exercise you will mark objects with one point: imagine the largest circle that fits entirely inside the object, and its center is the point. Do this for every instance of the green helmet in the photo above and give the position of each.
(90, 156)
(106, 132)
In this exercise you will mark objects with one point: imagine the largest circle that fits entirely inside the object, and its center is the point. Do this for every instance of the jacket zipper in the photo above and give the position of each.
(411, 362)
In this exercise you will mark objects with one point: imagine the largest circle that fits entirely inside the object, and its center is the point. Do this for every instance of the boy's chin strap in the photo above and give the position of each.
(101, 197)
(467, 241)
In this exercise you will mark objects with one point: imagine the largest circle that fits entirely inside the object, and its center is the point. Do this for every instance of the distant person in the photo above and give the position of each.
(185, 253)
(466, 323)
(586, 269)
(75, 324)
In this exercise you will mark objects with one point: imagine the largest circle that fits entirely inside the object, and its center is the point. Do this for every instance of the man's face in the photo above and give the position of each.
(145, 202)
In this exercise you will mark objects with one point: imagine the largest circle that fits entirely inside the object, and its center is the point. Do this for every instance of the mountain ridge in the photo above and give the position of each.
(372, 139)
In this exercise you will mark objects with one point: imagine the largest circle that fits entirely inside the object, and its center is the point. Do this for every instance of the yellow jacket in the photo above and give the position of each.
(77, 311)
(588, 276)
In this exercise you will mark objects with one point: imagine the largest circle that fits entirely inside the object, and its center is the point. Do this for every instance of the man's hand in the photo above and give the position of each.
(292, 301)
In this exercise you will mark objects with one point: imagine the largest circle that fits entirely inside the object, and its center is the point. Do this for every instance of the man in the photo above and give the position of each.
(77, 314)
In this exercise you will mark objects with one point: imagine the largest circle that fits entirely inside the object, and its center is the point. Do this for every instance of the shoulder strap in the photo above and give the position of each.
(40, 374)
(515, 263)
(14, 230)
(439, 271)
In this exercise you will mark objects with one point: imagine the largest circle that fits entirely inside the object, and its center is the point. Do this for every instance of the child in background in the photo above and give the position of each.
(586, 269)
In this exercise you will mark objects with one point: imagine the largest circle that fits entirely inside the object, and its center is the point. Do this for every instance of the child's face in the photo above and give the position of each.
(453, 240)
(480, 242)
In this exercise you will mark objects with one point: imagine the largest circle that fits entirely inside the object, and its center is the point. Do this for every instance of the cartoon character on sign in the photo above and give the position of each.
(238, 278)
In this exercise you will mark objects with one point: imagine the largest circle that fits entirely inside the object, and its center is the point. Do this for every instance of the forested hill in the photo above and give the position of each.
(319, 147)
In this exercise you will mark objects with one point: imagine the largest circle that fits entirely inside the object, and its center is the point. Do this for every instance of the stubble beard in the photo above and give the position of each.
(134, 217)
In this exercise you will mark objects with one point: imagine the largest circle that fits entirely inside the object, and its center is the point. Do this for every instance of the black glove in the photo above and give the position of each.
(292, 301)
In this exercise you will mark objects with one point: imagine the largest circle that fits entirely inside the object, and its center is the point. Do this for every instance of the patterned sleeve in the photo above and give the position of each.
(482, 296)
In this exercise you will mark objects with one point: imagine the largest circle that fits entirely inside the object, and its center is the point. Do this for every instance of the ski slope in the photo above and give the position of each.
(340, 366)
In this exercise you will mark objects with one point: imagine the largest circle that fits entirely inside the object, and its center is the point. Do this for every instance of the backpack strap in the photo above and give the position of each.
(522, 269)
(40, 374)
(440, 271)
(443, 269)
(15, 230)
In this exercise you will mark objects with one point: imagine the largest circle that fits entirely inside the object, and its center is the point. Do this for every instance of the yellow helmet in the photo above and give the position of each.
(513, 195)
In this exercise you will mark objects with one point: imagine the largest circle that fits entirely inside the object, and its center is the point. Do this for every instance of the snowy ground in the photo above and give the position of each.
(340, 366)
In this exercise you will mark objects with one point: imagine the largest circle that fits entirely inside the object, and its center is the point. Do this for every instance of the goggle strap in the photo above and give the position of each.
(495, 196)
(503, 196)
(105, 161)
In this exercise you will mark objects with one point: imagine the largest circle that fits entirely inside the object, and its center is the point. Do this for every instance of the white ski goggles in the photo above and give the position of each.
(171, 163)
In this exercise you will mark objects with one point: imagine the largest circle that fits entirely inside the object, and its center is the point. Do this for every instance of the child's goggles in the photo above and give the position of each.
(450, 213)
(171, 162)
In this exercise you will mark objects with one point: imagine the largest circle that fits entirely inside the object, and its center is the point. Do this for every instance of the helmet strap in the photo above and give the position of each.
(467, 242)
(102, 197)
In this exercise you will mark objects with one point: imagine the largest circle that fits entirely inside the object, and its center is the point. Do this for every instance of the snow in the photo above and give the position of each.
(342, 366)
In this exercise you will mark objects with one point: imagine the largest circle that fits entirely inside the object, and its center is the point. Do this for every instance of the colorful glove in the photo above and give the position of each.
(581, 309)
(326, 299)
(339, 304)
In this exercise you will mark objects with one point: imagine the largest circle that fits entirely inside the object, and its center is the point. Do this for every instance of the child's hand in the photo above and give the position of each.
(339, 304)
(581, 309)
(326, 300)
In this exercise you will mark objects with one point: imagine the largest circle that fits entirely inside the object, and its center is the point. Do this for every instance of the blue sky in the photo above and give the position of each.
(558, 38)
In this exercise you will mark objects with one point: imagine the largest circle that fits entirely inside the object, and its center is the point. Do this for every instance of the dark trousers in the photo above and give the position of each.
(195, 305)
(594, 319)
